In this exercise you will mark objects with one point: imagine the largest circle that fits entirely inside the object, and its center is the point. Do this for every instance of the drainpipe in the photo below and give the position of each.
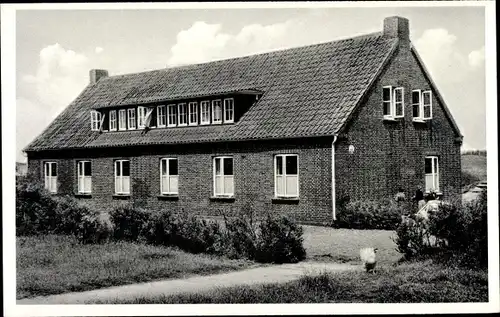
(333, 177)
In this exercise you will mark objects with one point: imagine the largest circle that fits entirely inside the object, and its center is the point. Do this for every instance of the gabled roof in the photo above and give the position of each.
(307, 91)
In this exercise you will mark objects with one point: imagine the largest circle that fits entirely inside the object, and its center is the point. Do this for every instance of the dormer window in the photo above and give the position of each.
(95, 120)
(141, 117)
(183, 116)
(393, 102)
(122, 119)
(193, 113)
(161, 118)
(112, 120)
(422, 105)
(172, 115)
(228, 110)
(216, 111)
(131, 119)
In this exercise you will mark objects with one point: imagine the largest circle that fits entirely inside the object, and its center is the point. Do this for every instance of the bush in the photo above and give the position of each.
(128, 222)
(35, 207)
(240, 237)
(385, 214)
(93, 227)
(69, 213)
(454, 232)
(280, 241)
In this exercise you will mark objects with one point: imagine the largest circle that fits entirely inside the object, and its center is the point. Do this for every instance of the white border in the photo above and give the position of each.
(8, 166)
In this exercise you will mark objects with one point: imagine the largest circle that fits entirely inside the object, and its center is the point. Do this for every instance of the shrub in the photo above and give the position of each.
(35, 207)
(280, 241)
(128, 222)
(240, 237)
(385, 214)
(93, 227)
(69, 213)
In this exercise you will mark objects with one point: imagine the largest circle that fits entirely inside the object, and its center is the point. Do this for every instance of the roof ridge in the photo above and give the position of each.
(179, 67)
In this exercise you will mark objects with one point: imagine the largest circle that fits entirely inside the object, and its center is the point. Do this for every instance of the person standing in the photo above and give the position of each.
(419, 198)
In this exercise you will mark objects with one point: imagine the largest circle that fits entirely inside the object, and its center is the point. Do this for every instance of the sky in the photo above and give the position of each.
(55, 49)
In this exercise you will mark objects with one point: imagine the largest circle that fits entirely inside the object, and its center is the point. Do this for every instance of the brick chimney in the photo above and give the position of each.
(96, 74)
(397, 27)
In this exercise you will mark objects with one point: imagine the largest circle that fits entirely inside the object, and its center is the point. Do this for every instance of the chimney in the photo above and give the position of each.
(96, 74)
(397, 27)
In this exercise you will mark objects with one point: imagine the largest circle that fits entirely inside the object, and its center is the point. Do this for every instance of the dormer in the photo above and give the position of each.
(205, 110)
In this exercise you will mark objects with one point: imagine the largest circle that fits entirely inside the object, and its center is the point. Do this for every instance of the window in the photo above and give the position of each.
(172, 115)
(393, 102)
(399, 105)
(193, 113)
(122, 177)
(169, 176)
(416, 101)
(286, 175)
(183, 114)
(131, 119)
(223, 176)
(229, 110)
(122, 120)
(431, 174)
(141, 117)
(205, 112)
(161, 118)
(84, 177)
(427, 104)
(216, 111)
(50, 172)
(95, 120)
(112, 120)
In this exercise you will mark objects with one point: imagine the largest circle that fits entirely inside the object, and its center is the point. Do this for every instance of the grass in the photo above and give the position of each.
(343, 245)
(420, 282)
(473, 170)
(57, 264)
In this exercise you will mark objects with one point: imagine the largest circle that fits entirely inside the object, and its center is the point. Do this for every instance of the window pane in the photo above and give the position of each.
(427, 98)
(164, 184)
(386, 94)
(126, 168)
(87, 169)
(126, 184)
(415, 97)
(182, 113)
(291, 185)
(416, 110)
(279, 165)
(228, 185)
(387, 108)
(291, 165)
(218, 185)
(217, 166)
(118, 168)
(280, 189)
(54, 169)
(217, 111)
(398, 95)
(172, 167)
(163, 167)
(228, 166)
(173, 182)
(427, 111)
(428, 165)
(46, 169)
(429, 182)
(399, 109)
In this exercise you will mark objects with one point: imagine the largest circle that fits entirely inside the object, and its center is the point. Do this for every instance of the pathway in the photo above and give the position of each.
(261, 275)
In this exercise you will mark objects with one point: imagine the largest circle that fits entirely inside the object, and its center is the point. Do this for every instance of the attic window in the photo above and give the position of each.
(205, 112)
(131, 119)
(112, 120)
(422, 105)
(228, 110)
(122, 119)
(216, 111)
(172, 115)
(183, 115)
(141, 117)
(393, 102)
(95, 120)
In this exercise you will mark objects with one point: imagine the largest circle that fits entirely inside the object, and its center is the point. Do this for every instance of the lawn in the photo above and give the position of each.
(420, 282)
(57, 264)
(473, 170)
(343, 245)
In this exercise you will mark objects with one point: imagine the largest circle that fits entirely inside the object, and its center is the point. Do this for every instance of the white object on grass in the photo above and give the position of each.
(368, 256)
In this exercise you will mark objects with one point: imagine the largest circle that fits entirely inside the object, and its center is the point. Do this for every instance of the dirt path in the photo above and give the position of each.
(261, 275)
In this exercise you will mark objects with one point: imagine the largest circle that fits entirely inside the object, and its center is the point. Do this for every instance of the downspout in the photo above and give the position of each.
(333, 177)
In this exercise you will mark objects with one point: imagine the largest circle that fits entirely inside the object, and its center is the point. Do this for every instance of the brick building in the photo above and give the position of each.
(291, 131)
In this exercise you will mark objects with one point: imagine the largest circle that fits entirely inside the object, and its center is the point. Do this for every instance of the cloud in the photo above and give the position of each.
(60, 76)
(476, 58)
(204, 42)
(99, 50)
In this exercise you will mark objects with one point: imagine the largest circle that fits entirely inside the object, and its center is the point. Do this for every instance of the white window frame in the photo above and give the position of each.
(50, 180)
(429, 92)
(434, 174)
(222, 176)
(182, 114)
(119, 179)
(122, 119)
(193, 114)
(161, 113)
(95, 120)
(171, 115)
(214, 102)
(205, 109)
(228, 102)
(131, 118)
(416, 104)
(112, 120)
(141, 117)
(285, 175)
(168, 191)
(82, 178)
(399, 103)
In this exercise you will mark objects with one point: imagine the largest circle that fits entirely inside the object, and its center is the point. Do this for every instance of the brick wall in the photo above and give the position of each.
(253, 177)
(389, 155)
